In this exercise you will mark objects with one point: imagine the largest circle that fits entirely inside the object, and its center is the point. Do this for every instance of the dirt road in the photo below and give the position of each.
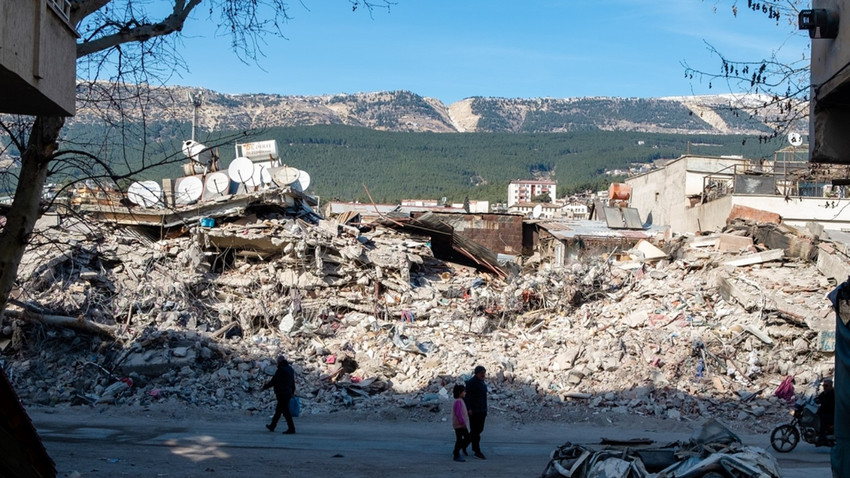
(108, 442)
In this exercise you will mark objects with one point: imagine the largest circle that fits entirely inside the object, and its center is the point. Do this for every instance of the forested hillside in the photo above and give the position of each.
(402, 145)
(395, 165)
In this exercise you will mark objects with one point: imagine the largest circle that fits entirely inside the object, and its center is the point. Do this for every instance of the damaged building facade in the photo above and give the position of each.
(699, 193)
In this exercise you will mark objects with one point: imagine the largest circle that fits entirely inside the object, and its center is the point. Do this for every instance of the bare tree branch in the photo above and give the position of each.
(139, 31)
(781, 87)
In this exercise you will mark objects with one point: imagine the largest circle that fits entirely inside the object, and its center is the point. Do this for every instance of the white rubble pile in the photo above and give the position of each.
(373, 321)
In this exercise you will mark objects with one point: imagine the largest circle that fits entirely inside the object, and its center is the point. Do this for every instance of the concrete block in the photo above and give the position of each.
(733, 243)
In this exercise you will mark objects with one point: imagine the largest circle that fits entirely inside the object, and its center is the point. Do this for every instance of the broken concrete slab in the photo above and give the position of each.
(758, 258)
(733, 243)
(832, 263)
(153, 363)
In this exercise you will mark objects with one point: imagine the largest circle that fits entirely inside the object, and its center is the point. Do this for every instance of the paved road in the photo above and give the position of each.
(88, 443)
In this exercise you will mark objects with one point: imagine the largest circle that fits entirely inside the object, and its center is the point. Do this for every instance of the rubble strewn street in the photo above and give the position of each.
(372, 321)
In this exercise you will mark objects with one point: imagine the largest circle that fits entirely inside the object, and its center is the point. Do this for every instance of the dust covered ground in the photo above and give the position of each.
(187, 442)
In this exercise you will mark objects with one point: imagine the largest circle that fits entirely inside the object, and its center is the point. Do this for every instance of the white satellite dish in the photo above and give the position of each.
(536, 211)
(284, 176)
(257, 178)
(266, 176)
(796, 139)
(303, 180)
(218, 184)
(241, 170)
(145, 193)
(188, 190)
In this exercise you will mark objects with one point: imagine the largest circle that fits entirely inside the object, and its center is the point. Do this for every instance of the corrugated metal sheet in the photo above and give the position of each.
(566, 230)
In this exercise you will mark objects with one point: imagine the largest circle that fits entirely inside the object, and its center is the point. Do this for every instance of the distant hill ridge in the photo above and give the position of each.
(404, 111)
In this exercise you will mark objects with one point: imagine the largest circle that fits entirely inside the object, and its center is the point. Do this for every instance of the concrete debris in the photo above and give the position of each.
(364, 312)
(713, 450)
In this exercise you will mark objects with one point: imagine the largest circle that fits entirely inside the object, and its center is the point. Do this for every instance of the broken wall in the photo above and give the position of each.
(501, 233)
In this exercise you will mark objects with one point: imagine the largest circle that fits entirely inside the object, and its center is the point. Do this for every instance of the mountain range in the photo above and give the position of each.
(403, 111)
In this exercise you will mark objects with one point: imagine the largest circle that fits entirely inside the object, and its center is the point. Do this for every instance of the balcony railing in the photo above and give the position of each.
(790, 179)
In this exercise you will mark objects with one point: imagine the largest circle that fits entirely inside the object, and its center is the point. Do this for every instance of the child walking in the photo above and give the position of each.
(460, 422)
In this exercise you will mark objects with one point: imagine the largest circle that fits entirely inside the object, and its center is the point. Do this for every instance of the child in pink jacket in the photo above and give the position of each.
(460, 422)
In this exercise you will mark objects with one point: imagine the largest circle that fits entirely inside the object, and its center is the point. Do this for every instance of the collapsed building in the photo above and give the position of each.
(188, 303)
(688, 327)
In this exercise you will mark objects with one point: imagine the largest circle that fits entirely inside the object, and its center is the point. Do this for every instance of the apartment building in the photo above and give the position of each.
(524, 190)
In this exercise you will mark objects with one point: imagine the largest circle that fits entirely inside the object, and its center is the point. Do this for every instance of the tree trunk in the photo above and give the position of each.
(20, 220)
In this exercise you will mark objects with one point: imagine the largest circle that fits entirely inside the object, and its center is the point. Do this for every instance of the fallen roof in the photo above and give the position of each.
(431, 224)
(585, 228)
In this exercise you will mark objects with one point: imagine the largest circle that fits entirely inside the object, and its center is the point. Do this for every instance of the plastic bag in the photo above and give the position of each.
(295, 406)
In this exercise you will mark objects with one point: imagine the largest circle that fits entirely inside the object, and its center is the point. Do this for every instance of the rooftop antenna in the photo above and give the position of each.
(196, 99)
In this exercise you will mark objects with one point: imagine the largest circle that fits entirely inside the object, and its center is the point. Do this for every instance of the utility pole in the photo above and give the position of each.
(196, 100)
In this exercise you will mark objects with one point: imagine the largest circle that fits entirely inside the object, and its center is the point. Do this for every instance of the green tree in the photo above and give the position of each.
(130, 43)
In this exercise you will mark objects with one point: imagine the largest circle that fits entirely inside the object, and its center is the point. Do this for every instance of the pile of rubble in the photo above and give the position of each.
(372, 320)
(712, 450)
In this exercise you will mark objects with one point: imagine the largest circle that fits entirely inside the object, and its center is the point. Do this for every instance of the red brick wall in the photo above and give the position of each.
(753, 214)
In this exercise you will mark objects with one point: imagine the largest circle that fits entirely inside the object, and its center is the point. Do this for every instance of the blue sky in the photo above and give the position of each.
(454, 49)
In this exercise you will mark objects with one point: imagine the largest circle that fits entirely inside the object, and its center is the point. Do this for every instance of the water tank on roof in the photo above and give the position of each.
(197, 152)
(619, 191)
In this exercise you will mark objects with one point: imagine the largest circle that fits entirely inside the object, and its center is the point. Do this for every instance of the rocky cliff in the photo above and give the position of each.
(406, 111)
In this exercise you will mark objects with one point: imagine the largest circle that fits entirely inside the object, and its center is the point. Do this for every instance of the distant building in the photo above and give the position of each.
(420, 202)
(524, 190)
(499, 208)
(475, 206)
(547, 210)
(575, 211)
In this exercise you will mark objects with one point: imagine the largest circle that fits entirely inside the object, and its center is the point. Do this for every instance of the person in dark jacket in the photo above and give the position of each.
(283, 383)
(826, 410)
(476, 404)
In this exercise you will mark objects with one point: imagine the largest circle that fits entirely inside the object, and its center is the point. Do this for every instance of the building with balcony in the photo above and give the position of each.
(700, 193)
(525, 190)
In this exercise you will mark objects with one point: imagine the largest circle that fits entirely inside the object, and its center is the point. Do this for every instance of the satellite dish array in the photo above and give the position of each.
(243, 175)
(145, 193)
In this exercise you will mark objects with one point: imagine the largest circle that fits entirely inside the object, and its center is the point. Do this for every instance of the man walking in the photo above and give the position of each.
(283, 382)
(476, 404)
